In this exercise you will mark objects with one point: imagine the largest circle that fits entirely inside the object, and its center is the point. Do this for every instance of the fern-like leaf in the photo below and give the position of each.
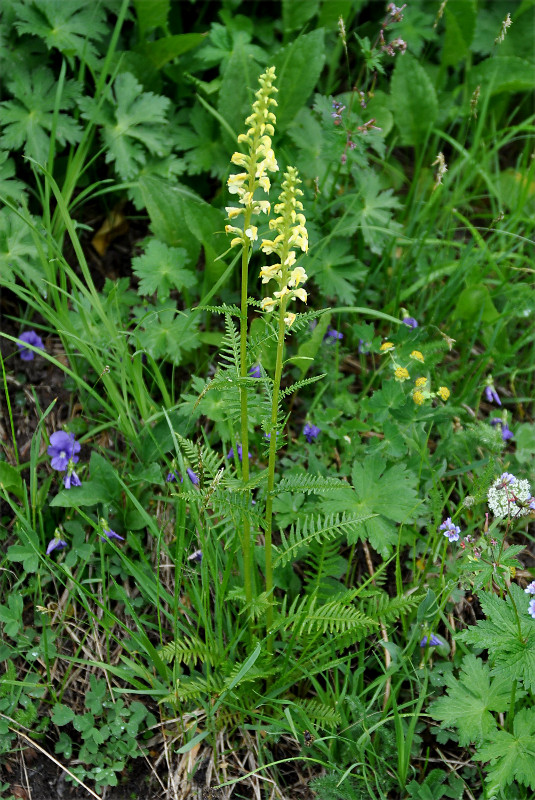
(188, 650)
(315, 528)
(308, 484)
(299, 384)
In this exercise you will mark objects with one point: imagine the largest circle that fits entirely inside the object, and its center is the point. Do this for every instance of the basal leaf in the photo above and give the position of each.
(512, 755)
(161, 269)
(298, 67)
(414, 100)
(470, 700)
(460, 16)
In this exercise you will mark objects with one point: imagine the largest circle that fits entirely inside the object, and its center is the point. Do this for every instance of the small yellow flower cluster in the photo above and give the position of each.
(421, 392)
(400, 373)
(257, 162)
(291, 233)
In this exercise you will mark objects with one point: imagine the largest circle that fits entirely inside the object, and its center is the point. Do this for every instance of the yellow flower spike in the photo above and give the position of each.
(386, 346)
(417, 356)
(420, 382)
(443, 392)
(401, 374)
(418, 398)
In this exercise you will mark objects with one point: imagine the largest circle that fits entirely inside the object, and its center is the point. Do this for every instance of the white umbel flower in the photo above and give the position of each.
(506, 493)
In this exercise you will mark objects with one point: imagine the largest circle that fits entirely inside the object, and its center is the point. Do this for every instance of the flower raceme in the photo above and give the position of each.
(257, 162)
(290, 226)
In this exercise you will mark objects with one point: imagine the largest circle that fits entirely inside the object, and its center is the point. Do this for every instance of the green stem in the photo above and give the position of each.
(271, 473)
(246, 538)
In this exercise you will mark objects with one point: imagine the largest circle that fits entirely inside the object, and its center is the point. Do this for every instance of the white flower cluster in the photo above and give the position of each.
(509, 497)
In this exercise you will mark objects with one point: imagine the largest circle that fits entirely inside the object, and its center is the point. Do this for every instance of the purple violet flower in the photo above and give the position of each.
(531, 503)
(55, 544)
(332, 335)
(171, 477)
(531, 608)
(450, 530)
(107, 533)
(29, 337)
(311, 432)
(492, 395)
(63, 448)
(507, 479)
(196, 556)
(364, 347)
(71, 479)
(255, 371)
(530, 588)
(434, 641)
(506, 433)
(239, 448)
(410, 322)
(194, 478)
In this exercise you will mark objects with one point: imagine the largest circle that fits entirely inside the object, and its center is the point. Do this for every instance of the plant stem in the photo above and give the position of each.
(271, 473)
(246, 537)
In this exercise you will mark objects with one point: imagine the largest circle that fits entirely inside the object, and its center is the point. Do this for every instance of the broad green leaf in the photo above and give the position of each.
(525, 442)
(387, 493)
(161, 51)
(475, 303)
(103, 487)
(503, 74)
(161, 269)
(413, 100)
(133, 123)
(337, 272)
(62, 714)
(28, 118)
(240, 81)
(470, 700)
(509, 641)
(298, 67)
(151, 14)
(331, 12)
(10, 478)
(511, 755)
(11, 615)
(69, 26)
(296, 13)
(168, 333)
(460, 16)
(166, 204)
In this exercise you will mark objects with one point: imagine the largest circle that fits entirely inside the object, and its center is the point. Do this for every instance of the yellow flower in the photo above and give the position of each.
(417, 356)
(235, 182)
(268, 304)
(301, 294)
(418, 397)
(419, 382)
(443, 392)
(233, 212)
(401, 374)
(386, 346)
(298, 275)
(252, 233)
(290, 319)
(267, 273)
(240, 159)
